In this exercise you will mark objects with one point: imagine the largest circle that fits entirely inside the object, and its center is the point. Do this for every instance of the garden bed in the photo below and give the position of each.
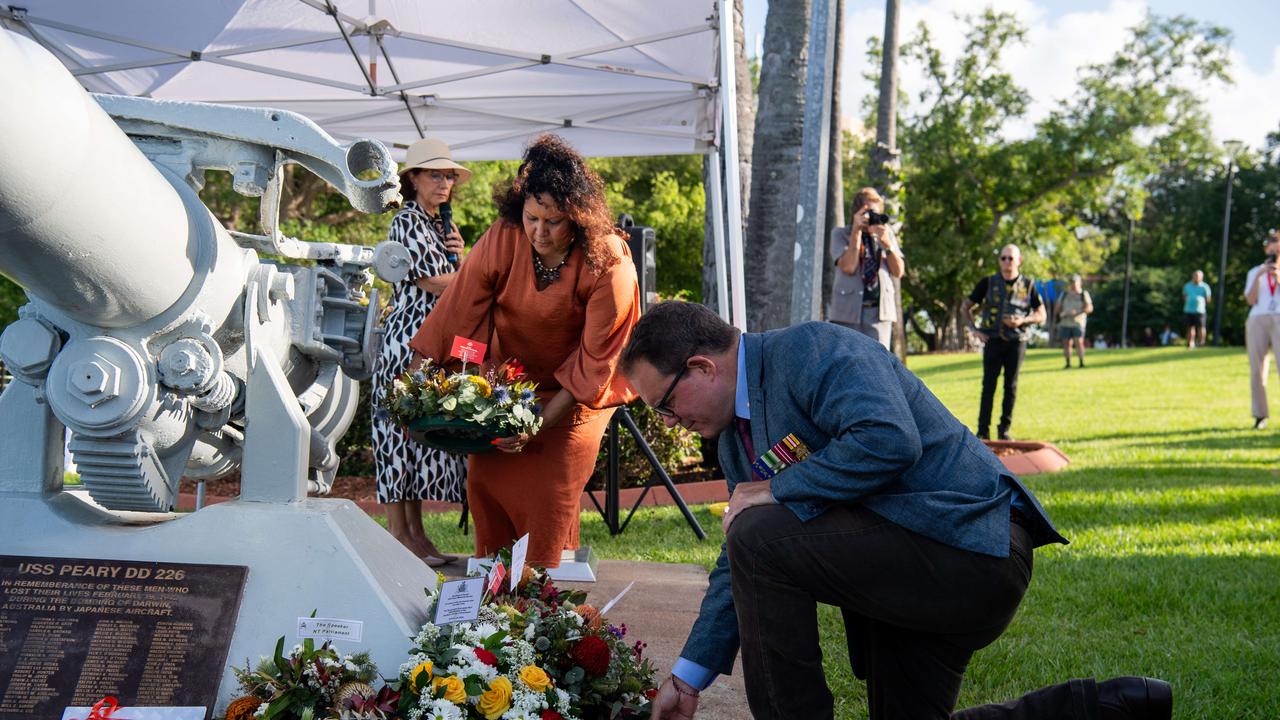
(1023, 457)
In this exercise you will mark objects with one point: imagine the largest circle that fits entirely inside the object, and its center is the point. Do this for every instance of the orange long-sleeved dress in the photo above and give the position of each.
(568, 335)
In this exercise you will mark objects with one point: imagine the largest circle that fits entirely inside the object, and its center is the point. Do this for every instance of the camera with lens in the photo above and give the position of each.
(875, 218)
(1271, 258)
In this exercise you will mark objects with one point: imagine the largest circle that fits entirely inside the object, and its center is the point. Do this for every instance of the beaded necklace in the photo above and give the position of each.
(547, 275)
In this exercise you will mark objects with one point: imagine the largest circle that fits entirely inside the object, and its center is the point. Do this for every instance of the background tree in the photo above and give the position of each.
(775, 175)
(974, 189)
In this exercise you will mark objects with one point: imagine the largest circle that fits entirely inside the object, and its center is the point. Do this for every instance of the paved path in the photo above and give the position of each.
(659, 609)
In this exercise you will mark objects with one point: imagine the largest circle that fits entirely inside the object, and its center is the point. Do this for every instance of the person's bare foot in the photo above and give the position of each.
(431, 549)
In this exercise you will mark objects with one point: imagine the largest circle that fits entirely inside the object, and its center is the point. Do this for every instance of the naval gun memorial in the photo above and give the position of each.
(166, 346)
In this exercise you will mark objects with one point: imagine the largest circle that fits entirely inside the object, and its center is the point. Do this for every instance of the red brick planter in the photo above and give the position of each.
(1030, 457)
(693, 493)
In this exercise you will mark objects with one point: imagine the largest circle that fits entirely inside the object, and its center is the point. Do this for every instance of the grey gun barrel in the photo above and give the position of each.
(87, 222)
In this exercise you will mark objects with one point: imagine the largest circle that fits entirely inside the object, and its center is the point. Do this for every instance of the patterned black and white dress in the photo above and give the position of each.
(405, 469)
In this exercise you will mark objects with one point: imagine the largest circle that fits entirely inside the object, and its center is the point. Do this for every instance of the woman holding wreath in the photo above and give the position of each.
(551, 284)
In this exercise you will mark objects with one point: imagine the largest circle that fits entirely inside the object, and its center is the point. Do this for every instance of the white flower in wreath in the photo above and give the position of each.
(442, 709)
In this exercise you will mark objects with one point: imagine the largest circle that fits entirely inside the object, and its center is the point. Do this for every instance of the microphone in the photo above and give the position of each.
(446, 216)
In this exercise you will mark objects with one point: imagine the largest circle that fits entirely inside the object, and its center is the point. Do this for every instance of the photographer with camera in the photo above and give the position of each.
(868, 260)
(1262, 329)
(1010, 305)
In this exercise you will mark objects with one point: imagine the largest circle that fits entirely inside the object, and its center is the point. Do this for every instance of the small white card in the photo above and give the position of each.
(331, 629)
(609, 605)
(141, 713)
(518, 553)
(479, 566)
(459, 600)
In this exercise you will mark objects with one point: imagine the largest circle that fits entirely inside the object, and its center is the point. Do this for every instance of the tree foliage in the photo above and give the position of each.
(972, 188)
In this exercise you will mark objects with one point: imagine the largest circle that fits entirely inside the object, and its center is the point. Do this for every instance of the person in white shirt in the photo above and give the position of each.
(1262, 329)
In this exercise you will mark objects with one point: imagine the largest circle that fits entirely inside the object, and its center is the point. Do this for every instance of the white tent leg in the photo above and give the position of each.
(716, 196)
(733, 183)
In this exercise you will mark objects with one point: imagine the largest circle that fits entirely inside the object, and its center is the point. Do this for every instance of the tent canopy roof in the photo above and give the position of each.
(614, 77)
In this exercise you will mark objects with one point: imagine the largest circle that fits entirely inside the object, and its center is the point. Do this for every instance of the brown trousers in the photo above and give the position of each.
(915, 611)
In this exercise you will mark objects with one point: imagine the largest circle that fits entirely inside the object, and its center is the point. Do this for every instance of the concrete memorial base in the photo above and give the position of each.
(321, 555)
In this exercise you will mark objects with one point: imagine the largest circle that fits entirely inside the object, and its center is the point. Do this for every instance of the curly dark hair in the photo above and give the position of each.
(552, 168)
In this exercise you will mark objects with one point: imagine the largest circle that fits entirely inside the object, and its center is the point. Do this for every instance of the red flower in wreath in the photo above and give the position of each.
(486, 657)
(550, 714)
(592, 654)
(515, 370)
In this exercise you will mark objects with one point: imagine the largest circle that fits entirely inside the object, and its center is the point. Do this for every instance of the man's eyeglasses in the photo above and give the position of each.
(661, 408)
(437, 176)
(1006, 258)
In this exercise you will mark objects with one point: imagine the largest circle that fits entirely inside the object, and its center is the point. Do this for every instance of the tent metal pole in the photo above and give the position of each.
(395, 76)
(733, 183)
(373, 88)
(717, 233)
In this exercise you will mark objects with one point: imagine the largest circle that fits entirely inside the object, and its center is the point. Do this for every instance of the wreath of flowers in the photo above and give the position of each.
(537, 653)
(495, 400)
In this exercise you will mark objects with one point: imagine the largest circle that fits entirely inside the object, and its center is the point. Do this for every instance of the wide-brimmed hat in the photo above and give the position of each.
(433, 154)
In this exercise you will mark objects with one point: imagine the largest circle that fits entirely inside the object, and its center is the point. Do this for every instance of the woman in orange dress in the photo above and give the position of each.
(551, 283)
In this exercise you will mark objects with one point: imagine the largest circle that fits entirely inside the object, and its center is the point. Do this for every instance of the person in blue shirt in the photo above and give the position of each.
(852, 485)
(1196, 296)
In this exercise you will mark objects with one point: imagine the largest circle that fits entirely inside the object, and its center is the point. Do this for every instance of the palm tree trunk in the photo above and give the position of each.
(885, 170)
(775, 177)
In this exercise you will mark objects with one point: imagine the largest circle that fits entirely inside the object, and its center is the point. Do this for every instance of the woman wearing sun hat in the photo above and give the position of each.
(408, 472)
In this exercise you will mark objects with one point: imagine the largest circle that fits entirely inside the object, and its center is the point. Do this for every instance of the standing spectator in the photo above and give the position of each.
(1262, 329)
(1009, 306)
(868, 259)
(408, 473)
(1196, 296)
(1072, 312)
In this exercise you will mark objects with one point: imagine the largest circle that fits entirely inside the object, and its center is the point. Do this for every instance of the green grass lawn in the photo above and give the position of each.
(1172, 505)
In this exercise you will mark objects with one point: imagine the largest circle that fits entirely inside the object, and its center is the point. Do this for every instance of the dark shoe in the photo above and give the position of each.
(1135, 698)
(1081, 363)
(984, 434)
(1067, 366)
(1260, 424)
(1004, 435)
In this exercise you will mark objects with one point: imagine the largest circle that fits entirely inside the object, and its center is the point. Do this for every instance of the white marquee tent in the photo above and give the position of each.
(614, 77)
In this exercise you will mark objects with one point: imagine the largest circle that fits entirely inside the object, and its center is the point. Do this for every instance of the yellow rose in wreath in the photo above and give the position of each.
(535, 677)
(496, 700)
(413, 676)
(455, 691)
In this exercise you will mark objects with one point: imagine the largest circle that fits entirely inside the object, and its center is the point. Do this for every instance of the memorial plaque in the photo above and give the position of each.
(74, 630)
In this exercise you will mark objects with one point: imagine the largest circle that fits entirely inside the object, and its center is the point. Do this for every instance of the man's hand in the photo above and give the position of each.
(674, 702)
(1013, 321)
(745, 495)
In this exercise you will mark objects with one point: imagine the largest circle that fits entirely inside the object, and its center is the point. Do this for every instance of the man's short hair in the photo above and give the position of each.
(671, 332)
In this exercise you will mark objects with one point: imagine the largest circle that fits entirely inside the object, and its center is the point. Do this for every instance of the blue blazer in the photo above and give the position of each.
(878, 438)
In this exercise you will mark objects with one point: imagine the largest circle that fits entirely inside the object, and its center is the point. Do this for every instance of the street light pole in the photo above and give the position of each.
(1128, 269)
(1233, 148)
